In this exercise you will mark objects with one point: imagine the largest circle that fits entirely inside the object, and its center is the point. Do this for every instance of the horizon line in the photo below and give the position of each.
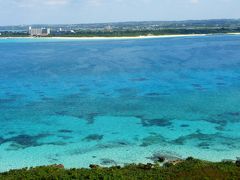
(115, 22)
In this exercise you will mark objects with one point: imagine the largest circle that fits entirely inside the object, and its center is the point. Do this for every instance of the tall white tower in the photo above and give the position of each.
(30, 30)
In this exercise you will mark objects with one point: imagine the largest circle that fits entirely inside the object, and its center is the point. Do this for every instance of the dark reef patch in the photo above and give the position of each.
(220, 128)
(167, 156)
(90, 117)
(138, 79)
(16, 96)
(184, 125)
(231, 143)
(56, 143)
(220, 78)
(1, 140)
(107, 162)
(71, 97)
(114, 144)
(165, 94)
(156, 122)
(235, 114)
(153, 94)
(223, 119)
(127, 92)
(115, 133)
(93, 137)
(123, 143)
(197, 85)
(24, 141)
(153, 139)
(61, 113)
(207, 141)
(11, 132)
(221, 122)
(46, 98)
(107, 145)
(227, 114)
(204, 145)
(14, 147)
(197, 136)
(7, 100)
(27, 85)
(220, 84)
(65, 131)
(81, 85)
(66, 137)
(53, 158)
(84, 90)
(80, 151)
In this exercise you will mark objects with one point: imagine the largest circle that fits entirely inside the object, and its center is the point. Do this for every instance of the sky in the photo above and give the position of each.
(17, 12)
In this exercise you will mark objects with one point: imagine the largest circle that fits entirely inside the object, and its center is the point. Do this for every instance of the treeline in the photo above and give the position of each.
(188, 169)
(13, 34)
(129, 32)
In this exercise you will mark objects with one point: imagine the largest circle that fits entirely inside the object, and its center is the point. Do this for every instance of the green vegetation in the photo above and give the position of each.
(133, 33)
(126, 29)
(188, 169)
(14, 34)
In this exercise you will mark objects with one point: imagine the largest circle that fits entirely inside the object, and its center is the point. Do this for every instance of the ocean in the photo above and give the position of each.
(114, 102)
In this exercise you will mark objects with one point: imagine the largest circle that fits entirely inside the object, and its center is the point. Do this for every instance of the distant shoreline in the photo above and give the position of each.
(131, 37)
(116, 37)
(102, 38)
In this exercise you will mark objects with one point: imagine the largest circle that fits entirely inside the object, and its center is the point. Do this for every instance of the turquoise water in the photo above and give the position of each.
(108, 102)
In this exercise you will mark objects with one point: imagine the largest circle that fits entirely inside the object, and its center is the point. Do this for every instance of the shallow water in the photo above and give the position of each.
(108, 102)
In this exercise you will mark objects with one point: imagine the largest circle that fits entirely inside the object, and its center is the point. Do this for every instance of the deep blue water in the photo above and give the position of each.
(81, 102)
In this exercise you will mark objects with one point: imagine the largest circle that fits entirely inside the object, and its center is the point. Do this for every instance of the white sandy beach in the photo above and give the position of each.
(234, 33)
(131, 37)
(103, 38)
(117, 38)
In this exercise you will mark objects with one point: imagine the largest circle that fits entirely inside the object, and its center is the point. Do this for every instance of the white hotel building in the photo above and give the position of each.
(39, 31)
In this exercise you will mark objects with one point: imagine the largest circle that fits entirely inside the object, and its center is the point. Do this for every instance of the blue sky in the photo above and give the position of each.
(92, 11)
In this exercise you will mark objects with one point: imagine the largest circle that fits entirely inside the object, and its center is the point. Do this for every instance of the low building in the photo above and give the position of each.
(39, 31)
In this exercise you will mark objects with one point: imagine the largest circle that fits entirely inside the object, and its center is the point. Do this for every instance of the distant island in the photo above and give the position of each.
(126, 29)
